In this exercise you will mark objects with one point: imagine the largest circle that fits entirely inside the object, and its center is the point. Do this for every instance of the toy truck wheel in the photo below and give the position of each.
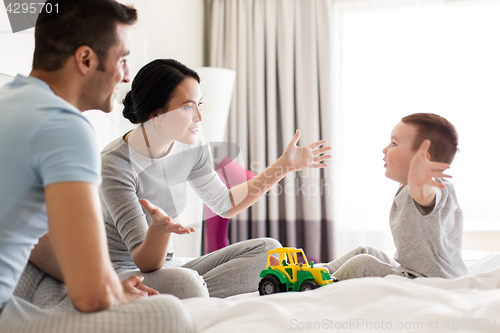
(308, 285)
(269, 285)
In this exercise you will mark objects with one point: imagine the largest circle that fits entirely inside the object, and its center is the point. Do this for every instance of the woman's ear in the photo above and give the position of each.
(157, 113)
(154, 116)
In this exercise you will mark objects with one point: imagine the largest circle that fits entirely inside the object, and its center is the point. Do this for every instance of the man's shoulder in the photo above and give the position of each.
(30, 89)
(30, 100)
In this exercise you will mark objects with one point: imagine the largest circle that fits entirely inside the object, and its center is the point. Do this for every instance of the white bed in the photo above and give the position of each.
(470, 303)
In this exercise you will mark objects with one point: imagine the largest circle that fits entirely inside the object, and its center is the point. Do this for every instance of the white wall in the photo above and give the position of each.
(166, 29)
(384, 74)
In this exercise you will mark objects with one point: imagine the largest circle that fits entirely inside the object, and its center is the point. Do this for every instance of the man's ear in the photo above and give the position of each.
(86, 60)
(428, 155)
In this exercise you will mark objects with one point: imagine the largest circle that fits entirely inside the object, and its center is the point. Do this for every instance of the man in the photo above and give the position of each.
(50, 164)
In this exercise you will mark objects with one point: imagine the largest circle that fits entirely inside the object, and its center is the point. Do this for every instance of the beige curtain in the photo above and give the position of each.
(281, 51)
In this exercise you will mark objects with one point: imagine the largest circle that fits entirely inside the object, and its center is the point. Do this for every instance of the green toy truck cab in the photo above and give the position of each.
(290, 275)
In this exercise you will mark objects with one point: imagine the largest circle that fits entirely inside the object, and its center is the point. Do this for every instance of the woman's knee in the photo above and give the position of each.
(193, 282)
(259, 245)
(271, 243)
(178, 281)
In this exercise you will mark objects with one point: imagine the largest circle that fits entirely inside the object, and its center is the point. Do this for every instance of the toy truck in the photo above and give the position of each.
(290, 275)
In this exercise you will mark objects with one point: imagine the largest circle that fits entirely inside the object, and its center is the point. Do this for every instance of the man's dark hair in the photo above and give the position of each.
(441, 133)
(76, 23)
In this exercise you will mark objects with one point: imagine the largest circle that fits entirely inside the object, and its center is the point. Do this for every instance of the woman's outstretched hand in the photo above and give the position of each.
(160, 219)
(294, 158)
(308, 157)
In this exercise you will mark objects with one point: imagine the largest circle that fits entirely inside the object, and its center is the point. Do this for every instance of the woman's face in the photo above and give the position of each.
(182, 120)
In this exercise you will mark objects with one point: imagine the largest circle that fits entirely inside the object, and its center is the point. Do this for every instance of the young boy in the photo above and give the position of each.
(425, 219)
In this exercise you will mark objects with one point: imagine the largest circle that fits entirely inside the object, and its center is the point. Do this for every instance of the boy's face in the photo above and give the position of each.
(399, 153)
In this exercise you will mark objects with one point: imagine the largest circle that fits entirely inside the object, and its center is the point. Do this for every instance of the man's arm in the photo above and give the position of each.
(79, 242)
(44, 257)
(421, 177)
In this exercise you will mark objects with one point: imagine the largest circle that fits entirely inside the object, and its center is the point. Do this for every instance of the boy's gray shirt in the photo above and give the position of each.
(128, 177)
(428, 244)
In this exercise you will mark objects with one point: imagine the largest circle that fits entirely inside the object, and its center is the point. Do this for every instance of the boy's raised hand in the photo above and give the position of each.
(422, 174)
(299, 158)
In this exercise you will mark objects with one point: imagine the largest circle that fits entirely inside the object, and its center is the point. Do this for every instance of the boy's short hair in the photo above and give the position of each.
(60, 33)
(441, 133)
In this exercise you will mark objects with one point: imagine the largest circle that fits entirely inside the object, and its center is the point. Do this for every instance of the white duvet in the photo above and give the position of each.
(467, 304)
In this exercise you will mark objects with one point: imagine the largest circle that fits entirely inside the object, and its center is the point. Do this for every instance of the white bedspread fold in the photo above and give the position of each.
(470, 303)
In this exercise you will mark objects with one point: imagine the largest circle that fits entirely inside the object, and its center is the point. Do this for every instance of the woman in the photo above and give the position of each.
(153, 162)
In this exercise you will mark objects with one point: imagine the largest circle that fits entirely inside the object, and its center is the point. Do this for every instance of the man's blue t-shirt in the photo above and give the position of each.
(43, 140)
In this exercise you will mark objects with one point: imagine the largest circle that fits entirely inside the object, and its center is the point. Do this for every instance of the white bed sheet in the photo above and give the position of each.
(470, 303)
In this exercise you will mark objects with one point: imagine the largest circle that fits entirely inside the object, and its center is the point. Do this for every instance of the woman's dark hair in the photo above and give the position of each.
(75, 23)
(153, 88)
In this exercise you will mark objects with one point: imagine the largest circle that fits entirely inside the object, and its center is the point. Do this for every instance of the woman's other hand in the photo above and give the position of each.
(159, 219)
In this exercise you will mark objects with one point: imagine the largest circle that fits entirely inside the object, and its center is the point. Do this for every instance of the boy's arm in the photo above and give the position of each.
(79, 242)
(421, 177)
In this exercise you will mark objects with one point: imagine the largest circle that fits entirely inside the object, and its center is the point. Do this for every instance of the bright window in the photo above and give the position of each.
(444, 60)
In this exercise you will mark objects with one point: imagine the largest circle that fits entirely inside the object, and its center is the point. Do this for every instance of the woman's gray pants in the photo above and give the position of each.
(226, 272)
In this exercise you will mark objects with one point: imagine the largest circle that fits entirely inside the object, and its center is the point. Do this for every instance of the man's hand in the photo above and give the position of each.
(299, 158)
(133, 289)
(421, 176)
(159, 219)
